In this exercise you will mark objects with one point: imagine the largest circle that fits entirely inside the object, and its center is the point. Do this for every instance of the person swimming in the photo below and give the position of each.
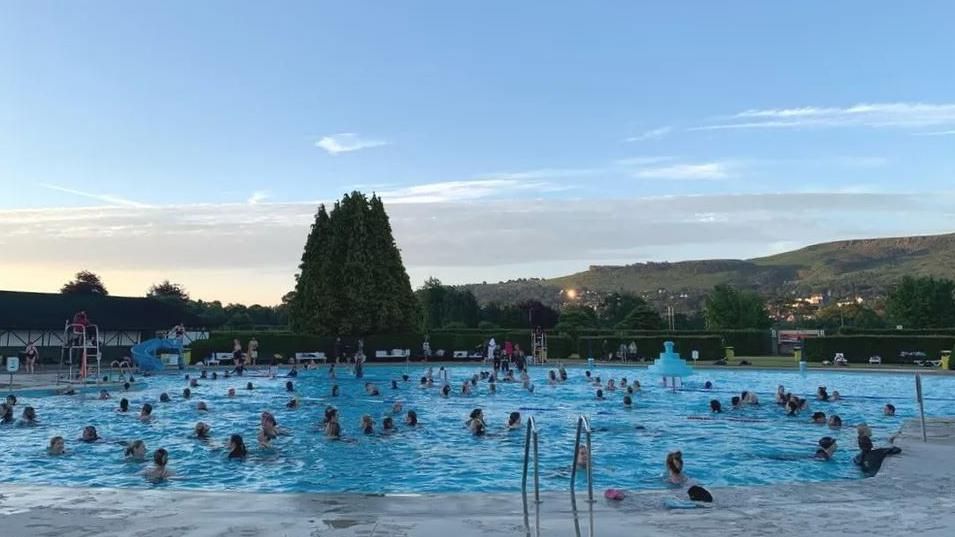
(230, 393)
(123, 405)
(513, 421)
(6, 414)
(736, 402)
(335, 390)
(674, 466)
(411, 418)
(835, 396)
(28, 419)
(201, 406)
(371, 389)
(57, 446)
(103, 395)
(333, 430)
(135, 451)
(715, 406)
(202, 430)
(292, 404)
(446, 390)
(146, 413)
(89, 434)
(582, 457)
(466, 388)
(707, 385)
(476, 423)
(289, 387)
(822, 394)
(187, 393)
(237, 449)
(367, 425)
(889, 409)
(394, 384)
(827, 448)
(159, 471)
(600, 394)
(388, 425)
(627, 401)
(835, 422)
(611, 386)
(163, 397)
(819, 418)
(249, 386)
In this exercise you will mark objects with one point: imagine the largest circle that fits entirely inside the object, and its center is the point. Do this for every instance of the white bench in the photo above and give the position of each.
(875, 360)
(218, 357)
(460, 354)
(305, 356)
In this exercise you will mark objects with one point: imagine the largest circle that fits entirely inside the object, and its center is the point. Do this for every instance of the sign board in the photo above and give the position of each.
(696, 355)
(13, 364)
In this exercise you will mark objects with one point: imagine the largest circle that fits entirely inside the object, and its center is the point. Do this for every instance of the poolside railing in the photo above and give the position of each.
(583, 427)
(531, 437)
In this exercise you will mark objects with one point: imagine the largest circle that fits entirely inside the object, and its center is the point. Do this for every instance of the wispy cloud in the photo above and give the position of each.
(345, 142)
(935, 133)
(642, 161)
(468, 190)
(872, 115)
(652, 134)
(543, 173)
(258, 197)
(113, 201)
(706, 171)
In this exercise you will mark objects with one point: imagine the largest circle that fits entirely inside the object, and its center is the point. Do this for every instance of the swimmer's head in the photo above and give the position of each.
(163, 397)
(89, 434)
(514, 419)
(202, 429)
(187, 393)
(715, 406)
(600, 394)
(289, 387)
(411, 418)
(627, 401)
(124, 404)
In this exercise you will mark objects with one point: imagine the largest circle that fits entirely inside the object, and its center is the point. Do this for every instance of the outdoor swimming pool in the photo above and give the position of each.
(756, 445)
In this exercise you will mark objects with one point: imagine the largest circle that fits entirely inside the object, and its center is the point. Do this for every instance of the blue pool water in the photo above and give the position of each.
(757, 445)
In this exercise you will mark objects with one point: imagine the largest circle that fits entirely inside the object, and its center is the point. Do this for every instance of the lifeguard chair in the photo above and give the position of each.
(539, 344)
(80, 344)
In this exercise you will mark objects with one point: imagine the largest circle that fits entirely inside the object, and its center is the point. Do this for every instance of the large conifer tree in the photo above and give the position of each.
(352, 280)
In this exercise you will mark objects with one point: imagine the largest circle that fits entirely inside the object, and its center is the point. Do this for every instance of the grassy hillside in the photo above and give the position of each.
(866, 267)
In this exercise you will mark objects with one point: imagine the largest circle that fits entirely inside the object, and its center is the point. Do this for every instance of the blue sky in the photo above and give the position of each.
(214, 127)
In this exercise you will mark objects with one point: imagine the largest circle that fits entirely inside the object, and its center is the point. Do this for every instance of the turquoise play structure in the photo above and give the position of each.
(670, 365)
(146, 354)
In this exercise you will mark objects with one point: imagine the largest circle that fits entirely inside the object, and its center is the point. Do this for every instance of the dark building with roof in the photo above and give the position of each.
(40, 318)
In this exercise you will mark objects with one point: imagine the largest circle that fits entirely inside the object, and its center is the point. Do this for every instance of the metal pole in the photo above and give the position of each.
(527, 450)
(573, 469)
(590, 472)
(918, 394)
(537, 483)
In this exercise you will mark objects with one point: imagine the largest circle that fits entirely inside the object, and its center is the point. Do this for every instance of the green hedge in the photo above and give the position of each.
(710, 347)
(858, 349)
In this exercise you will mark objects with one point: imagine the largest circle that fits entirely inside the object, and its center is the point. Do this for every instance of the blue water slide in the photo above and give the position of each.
(146, 354)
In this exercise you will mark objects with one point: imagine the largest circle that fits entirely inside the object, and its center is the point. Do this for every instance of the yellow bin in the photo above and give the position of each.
(730, 353)
(946, 359)
(797, 352)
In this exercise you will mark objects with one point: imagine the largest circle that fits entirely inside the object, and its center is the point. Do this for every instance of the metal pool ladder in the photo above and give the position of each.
(583, 426)
(531, 437)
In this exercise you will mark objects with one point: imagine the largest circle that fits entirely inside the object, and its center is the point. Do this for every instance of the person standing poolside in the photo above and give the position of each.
(253, 350)
(31, 355)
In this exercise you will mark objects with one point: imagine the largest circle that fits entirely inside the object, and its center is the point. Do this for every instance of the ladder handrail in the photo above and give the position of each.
(531, 436)
(583, 426)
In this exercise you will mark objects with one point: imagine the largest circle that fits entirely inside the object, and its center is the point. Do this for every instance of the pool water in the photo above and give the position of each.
(755, 445)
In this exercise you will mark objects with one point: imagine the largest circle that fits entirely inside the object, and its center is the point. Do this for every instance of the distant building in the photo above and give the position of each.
(40, 318)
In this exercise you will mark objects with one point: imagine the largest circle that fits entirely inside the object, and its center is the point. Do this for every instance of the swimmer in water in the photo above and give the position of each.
(333, 430)
(289, 387)
(715, 406)
(611, 385)
(889, 409)
(292, 404)
(627, 401)
(230, 393)
(89, 434)
(476, 422)
(835, 396)
(159, 471)
(187, 393)
(492, 386)
(736, 401)
(707, 385)
(135, 451)
(582, 457)
(103, 395)
(163, 397)
(411, 418)
(237, 448)
(819, 418)
(146, 413)
(600, 394)
(513, 421)
(201, 406)
(466, 388)
(57, 446)
(394, 384)
(424, 383)
(445, 391)
(371, 389)
(636, 385)
(6, 414)
(674, 465)
(335, 390)
(835, 422)
(249, 386)
(827, 448)
(28, 419)
(123, 405)
(367, 425)
(781, 398)
(388, 425)
(203, 430)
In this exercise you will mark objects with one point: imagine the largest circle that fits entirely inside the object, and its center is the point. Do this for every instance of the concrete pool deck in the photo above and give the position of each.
(913, 494)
